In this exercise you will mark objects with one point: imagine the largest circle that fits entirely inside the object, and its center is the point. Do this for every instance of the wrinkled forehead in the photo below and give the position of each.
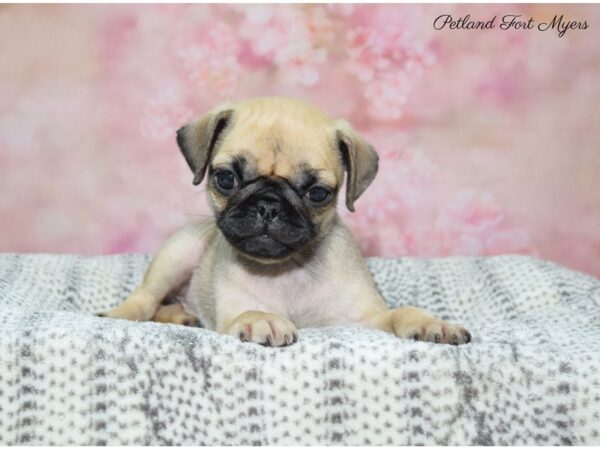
(281, 146)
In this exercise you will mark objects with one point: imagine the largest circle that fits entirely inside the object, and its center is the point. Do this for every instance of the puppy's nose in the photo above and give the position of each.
(268, 208)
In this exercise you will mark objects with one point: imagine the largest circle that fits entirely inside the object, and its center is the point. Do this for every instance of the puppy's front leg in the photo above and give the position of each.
(169, 270)
(270, 330)
(413, 323)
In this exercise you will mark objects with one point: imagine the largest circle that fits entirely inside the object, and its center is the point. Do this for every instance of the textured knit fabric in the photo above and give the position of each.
(530, 376)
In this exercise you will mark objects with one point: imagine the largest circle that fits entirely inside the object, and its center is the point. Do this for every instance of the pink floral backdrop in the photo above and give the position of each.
(489, 140)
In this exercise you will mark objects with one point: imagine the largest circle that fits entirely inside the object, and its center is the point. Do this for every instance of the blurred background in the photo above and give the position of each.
(489, 140)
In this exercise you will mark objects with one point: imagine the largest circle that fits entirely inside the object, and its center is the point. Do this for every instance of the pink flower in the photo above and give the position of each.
(366, 50)
(286, 37)
(372, 50)
(387, 96)
(472, 210)
(298, 64)
(388, 61)
(211, 62)
(475, 225)
(164, 113)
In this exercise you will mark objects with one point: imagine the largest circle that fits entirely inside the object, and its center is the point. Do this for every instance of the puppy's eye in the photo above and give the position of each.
(225, 179)
(318, 194)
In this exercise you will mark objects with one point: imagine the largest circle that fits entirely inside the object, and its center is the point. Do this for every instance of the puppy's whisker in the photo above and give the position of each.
(198, 214)
(198, 192)
(201, 232)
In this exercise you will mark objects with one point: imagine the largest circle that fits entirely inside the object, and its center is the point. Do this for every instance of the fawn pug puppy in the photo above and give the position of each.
(276, 257)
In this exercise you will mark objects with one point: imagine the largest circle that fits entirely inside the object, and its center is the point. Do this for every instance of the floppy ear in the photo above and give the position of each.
(198, 139)
(360, 161)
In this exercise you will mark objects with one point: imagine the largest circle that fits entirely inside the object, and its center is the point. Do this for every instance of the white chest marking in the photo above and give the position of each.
(307, 299)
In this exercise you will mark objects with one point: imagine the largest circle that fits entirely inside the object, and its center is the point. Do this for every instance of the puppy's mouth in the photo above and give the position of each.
(263, 246)
(267, 246)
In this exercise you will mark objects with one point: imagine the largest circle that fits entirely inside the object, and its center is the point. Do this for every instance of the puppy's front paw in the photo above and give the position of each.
(414, 324)
(441, 332)
(127, 312)
(139, 306)
(265, 329)
(175, 314)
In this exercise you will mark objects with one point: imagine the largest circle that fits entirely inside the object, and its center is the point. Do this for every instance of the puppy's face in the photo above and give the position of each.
(275, 167)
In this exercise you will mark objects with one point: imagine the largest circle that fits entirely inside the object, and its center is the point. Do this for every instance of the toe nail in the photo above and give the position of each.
(242, 337)
(437, 338)
(416, 336)
(295, 339)
(467, 337)
(454, 339)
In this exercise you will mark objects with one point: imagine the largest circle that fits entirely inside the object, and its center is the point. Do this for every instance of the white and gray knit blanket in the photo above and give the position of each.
(530, 376)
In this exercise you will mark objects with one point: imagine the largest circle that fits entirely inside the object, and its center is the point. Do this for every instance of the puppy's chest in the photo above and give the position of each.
(307, 299)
